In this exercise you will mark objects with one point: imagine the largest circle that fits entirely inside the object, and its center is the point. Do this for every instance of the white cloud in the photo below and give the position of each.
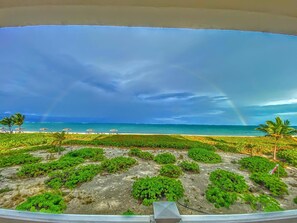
(286, 113)
(281, 102)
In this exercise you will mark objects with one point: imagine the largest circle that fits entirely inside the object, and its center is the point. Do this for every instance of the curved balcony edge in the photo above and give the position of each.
(13, 216)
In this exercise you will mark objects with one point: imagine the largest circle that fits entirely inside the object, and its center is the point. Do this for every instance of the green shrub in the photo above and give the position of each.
(149, 190)
(146, 156)
(72, 177)
(128, 212)
(262, 202)
(18, 159)
(34, 170)
(205, 156)
(228, 181)
(289, 155)
(118, 164)
(219, 197)
(170, 170)
(224, 188)
(134, 152)
(94, 154)
(269, 204)
(141, 154)
(259, 164)
(56, 149)
(271, 182)
(295, 200)
(165, 158)
(46, 202)
(190, 166)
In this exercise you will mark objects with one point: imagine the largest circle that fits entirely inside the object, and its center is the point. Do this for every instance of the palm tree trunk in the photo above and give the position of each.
(275, 149)
(59, 147)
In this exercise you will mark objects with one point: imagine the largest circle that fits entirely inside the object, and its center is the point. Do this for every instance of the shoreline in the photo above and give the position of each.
(135, 133)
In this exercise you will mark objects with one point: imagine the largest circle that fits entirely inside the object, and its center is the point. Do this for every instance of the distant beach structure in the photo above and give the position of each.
(113, 131)
(67, 130)
(3, 130)
(20, 129)
(90, 131)
(42, 129)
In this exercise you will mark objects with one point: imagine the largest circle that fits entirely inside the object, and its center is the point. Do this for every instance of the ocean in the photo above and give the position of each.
(234, 130)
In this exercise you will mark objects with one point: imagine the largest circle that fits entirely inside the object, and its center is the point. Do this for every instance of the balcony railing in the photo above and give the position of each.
(13, 216)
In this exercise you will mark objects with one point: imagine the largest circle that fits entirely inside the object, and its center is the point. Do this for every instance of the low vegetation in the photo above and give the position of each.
(190, 166)
(23, 139)
(264, 145)
(205, 156)
(149, 141)
(149, 190)
(5, 189)
(262, 202)
(27, 149)
(93, 154)
(170, 170)
(49, 148)
(56, 149)
(257, 164)
(73, 177)
(165, 158)
(224, 188)
(70, 159)
(141, 154)
(18, 159)
(228, 148)
(39, 169)
(219, 197)
(46, 202)
(261, 145)
(118, 164)
(290, 156)
(273, 183)
(128, 212)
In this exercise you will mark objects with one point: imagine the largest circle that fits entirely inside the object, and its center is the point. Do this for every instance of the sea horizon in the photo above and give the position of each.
(141, 128)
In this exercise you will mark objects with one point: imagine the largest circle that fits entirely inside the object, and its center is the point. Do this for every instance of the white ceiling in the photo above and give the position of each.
(277, 16)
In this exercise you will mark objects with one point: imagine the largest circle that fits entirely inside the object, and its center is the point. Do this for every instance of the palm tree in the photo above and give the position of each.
(18, 120)
(58, 139)
(278, 129)
(8, 121)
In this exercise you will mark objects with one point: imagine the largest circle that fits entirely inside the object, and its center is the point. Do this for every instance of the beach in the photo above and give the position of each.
(101, 128)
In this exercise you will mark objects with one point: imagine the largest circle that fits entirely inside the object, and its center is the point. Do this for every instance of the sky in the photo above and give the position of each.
(147, 75)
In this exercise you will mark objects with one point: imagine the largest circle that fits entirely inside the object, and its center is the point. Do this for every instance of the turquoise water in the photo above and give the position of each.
(148, 128)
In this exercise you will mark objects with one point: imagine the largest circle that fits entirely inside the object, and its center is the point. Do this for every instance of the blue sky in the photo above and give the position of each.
(147, 75)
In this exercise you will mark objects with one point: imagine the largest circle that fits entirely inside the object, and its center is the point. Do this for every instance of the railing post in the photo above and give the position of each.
(166, 212)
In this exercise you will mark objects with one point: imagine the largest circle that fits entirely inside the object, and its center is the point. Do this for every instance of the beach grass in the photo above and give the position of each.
(237, 144)
(242, 144)
(143, 141)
